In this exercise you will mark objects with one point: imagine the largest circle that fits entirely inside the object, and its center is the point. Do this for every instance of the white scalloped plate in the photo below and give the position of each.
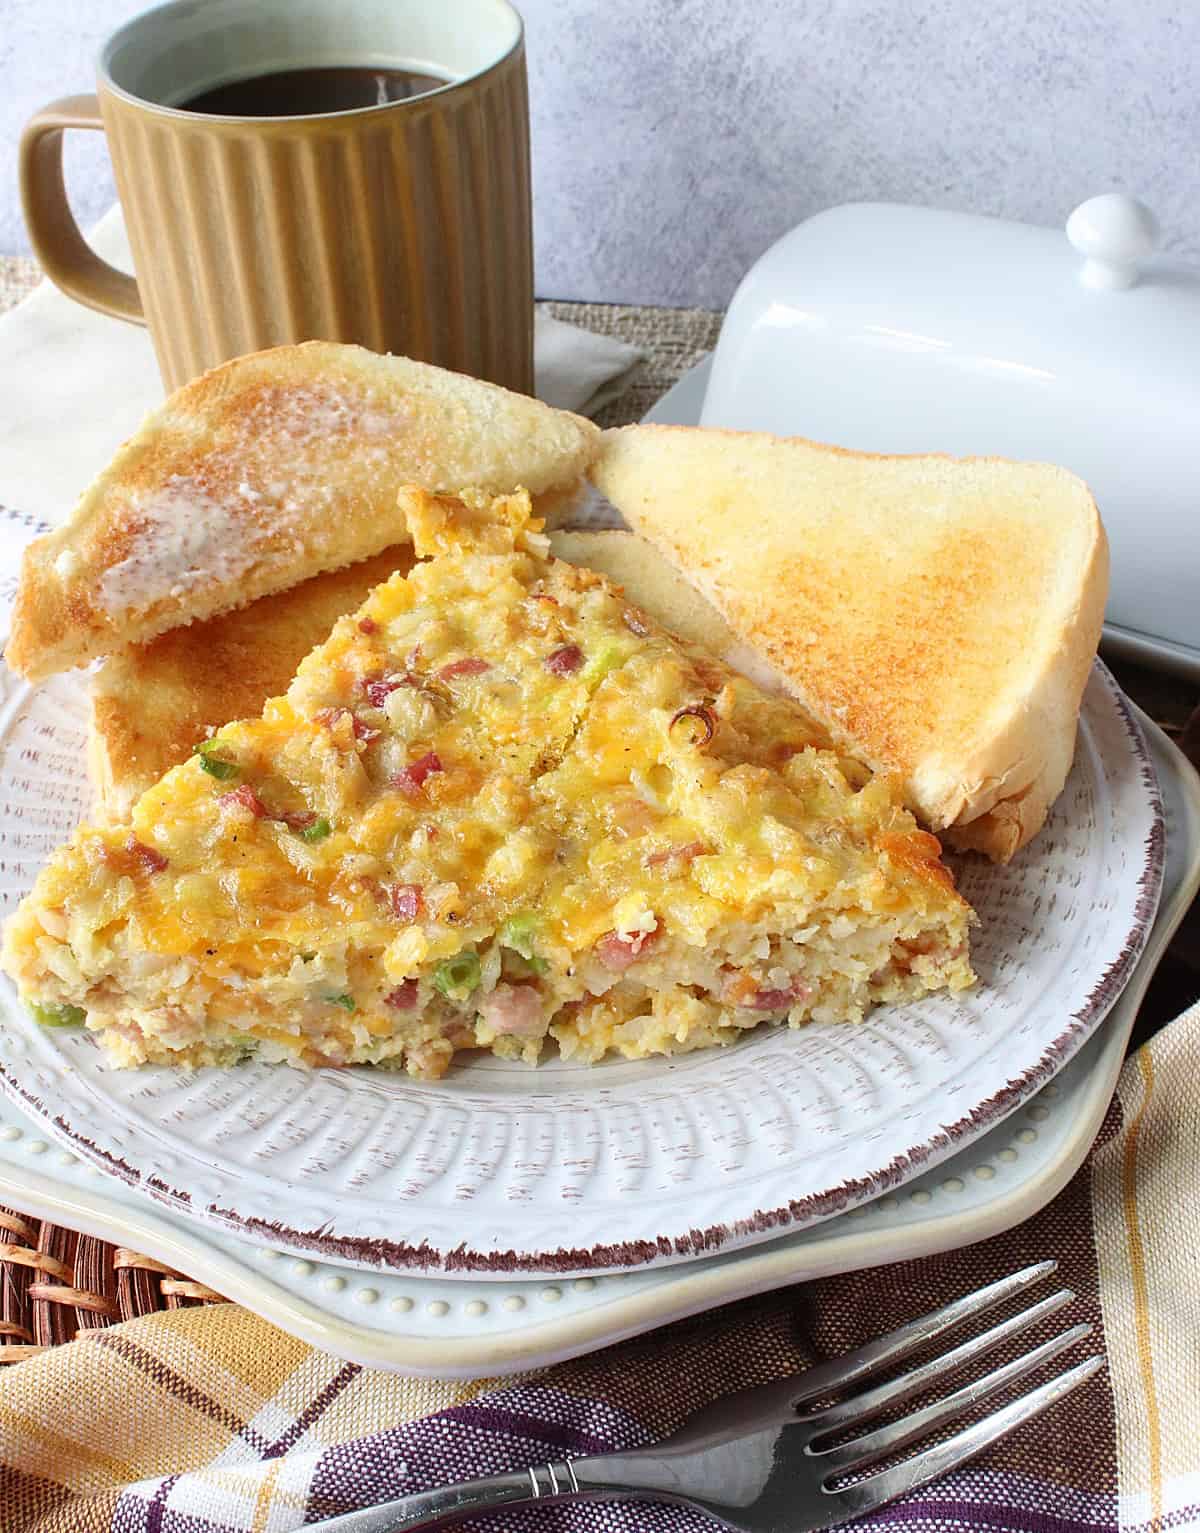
(499, 1169)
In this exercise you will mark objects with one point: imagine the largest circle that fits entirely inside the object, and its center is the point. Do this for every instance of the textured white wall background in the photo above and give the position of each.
(675, 139)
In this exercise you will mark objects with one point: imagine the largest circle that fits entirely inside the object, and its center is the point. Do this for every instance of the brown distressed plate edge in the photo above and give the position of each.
(566, 1261)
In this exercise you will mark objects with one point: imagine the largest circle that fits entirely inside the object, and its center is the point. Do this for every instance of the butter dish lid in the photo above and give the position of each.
(890, 328)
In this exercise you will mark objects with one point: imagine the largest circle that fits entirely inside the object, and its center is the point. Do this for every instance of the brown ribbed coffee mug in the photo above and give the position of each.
(404, 226)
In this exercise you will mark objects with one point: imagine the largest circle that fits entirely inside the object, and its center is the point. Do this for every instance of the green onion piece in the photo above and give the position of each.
(345, 1001)
(521, 967)
(317, 831)
(517, 935)
(216, 766)
(598, 667)
(58, 1016)
(518, 932)
(457, 976)
(307, 957)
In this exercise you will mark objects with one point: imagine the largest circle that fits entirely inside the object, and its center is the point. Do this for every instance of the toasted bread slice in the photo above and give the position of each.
(939, 616)
(266, 472)
(490, 811)
(153, 703)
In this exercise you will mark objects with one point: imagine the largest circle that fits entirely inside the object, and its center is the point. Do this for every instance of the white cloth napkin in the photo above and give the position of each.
(74, 384)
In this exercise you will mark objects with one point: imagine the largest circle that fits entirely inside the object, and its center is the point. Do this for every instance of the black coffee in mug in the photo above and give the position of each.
(312, 92)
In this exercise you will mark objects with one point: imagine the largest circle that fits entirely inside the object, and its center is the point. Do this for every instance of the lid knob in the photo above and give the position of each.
(1115, 234)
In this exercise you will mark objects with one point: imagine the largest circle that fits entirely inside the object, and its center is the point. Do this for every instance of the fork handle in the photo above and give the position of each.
(441, 1508)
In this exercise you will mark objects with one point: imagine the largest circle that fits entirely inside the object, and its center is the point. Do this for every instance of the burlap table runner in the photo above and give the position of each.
(202, 1421)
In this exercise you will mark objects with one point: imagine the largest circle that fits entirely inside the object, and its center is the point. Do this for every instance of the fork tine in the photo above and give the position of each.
(873, 1401)
(876, 1491)
(878, 1444)
(837, 1372)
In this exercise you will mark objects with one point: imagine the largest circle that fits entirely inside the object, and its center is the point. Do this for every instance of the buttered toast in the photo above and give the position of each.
(263, 473)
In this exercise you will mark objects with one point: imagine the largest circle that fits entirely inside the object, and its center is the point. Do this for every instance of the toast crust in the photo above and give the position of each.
(153, 703)
(938, 615)
(265, 472)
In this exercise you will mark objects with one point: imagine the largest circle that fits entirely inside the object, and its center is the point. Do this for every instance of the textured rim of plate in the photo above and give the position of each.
(454, 1333)
(138, 1159)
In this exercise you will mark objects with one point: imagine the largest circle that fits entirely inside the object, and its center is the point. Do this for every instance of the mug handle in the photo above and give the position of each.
(66, 257)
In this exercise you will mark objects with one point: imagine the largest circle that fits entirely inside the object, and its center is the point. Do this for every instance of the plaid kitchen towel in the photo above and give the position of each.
(210, 1420)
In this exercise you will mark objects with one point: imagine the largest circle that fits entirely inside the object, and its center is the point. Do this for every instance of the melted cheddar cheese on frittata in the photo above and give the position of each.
(497, 806)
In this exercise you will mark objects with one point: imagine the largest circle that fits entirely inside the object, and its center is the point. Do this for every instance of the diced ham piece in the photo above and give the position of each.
(332, 717)
(367, 625)
(244, 797)
(411, 780)
(617, 950)
(145, 857)
(515, 1009)
(403, 997)
(467, 666)
(740, 991)
(379, 688)
(296, 819)
(771, 1000)
(565, 661)
(406, 901)
(677, 856)
(133, 858)
(632, 815)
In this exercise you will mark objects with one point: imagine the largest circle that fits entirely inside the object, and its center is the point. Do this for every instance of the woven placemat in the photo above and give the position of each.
(55, 1283)
(673, 341)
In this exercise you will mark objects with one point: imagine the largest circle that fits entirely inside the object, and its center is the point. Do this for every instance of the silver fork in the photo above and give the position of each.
(755, 1461)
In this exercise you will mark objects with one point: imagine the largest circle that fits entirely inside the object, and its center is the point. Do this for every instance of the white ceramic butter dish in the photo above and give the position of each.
(902, 329)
